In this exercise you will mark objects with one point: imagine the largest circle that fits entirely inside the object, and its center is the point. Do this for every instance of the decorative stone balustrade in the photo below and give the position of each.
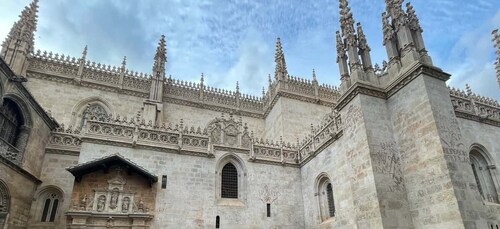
(222, 133)
(63, 68)
(471, 106)
(10, 152)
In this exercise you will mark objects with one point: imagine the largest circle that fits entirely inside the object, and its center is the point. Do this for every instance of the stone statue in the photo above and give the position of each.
(101, 203)
(125, 204)
(114, 199)
(83, 202)
(140, 206)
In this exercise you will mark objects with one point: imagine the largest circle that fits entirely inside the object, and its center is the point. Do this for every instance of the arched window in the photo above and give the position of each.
(483, 175)
(11, 121)
(94, 110)
(229, 183)
(4, 203)
(231, 180)
(50, 206)
(324, 191)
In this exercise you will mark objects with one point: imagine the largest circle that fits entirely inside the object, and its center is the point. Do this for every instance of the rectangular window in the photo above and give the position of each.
(268, 210)
(164, 182)
(217, 222)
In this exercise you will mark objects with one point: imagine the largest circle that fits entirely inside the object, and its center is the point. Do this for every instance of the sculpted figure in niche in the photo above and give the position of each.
(114, 199)
(125, 204)
(101, 203)
(231, 135)
(140, 206)
(83, 202)
(216, 134)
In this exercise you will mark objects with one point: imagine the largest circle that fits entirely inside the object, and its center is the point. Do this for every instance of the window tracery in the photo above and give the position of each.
(483, 176)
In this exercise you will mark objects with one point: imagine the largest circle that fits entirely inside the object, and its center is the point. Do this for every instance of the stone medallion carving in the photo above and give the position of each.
(268, 195)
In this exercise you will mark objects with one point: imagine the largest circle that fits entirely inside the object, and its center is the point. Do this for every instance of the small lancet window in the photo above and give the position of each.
(50, 207)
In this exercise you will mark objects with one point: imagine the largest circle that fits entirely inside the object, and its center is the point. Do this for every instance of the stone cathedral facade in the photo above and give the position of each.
(87, 145)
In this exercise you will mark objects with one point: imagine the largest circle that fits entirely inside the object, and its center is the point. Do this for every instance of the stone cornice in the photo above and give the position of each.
(404, 78)
(476, 118)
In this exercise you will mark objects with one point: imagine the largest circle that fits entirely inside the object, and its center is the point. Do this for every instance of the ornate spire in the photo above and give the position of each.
(202, 80)
(280, 73)
(413, 21)
(20, 41)
(496, 41)
(156, 90)
(237, 87)
(84, 53)
(314, 76)
(362, 42)
(124, 62)
(160, 59)
(347, 23)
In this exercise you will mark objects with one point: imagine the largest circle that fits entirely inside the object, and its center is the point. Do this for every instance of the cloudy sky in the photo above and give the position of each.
(234, 40)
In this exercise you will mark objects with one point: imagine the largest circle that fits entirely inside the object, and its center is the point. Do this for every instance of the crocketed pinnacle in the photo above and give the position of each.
(84, 53)
(347, 22)
(340, 46)
(314, 76)
(496, 41)
(413, 21)
(362, 42)
(24, 29)
(160, 58)
(279, 58)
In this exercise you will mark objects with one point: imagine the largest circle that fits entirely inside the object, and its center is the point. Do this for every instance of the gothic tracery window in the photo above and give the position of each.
(229, 185)
(50, 206)
(10, 121)
(94, 110)
(483, 176)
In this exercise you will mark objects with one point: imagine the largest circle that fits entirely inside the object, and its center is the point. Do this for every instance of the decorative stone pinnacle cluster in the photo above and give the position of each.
(496, 41)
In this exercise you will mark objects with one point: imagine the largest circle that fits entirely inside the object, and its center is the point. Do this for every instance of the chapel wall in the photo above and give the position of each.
(347, 164)
(483, 212)
(190, 199)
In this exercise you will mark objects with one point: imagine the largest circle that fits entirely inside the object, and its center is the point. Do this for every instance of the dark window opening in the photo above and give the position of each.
(45, 210)
(229, 184)
(10, 121)
(268, 210)
(331, 204)
(164, 182)
(217, 222)
(54, 210)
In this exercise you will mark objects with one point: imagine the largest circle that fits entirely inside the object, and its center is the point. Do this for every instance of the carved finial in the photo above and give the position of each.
(202, 78)
(237, 87)
(340, 46)
(84, 53)
(160, 59)
(413, 21)
(469, 91)
(269, 80)
(362, 43)
(263, 92)
(347, 22)
(314, 76)
(124, 62)
(280, 72)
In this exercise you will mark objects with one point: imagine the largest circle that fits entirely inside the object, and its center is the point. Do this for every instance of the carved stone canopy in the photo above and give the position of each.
(107, 162)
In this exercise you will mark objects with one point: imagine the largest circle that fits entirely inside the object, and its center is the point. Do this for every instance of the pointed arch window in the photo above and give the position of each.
(229, 183)
(11, 121)
(50, 206)
(94, 110)
(326, 201)
(483, 176)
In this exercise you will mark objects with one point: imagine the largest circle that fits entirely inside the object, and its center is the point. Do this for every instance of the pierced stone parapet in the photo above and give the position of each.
(10, 152)
(475, 107)
(278, 152)
(65, 140)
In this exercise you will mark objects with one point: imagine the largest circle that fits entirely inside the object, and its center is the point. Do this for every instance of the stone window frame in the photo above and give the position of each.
(39, 203)
(479, 155)
(242, 180)
(321, 194)
(25, 129)
(80, 107)
(4, 203)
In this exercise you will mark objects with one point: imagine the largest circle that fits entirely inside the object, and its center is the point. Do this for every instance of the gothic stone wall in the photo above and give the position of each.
(292, 119)
(54, 173)
(347, 164)
(189, 200)
(487, 136)
(61, 99)
(21, 191)
(429, 141)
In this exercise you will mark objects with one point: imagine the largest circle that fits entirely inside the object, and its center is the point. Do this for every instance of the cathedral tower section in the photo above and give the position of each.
(353, 51)
(20, 41)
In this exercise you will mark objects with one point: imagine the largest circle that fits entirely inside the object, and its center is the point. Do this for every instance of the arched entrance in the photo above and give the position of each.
(4, 203)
